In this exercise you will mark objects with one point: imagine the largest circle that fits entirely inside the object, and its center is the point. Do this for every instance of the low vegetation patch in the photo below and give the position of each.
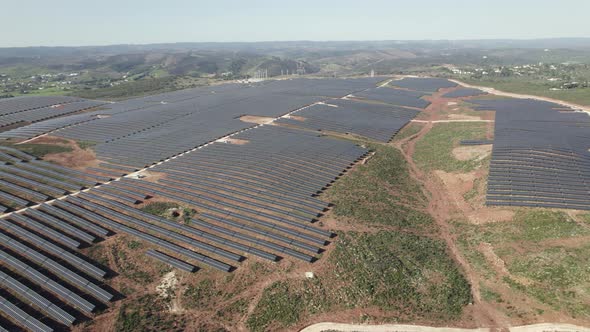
(409, 130)
(85, 144)
(126, 266)
(408, 276)
(560, 276)
(434, 151)
(406, 273)
(237, 308)
(201, 294)
(473, 192)
(545, 254)
(280, 305)
(40, 150)
(147, 313)
(381, 192)
(160, 209)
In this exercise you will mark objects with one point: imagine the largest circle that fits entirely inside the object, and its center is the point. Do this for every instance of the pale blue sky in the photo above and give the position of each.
(100, 22)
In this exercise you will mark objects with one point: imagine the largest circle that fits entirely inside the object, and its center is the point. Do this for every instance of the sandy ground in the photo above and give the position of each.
(298, 118)
(257, 119)
(475, 152)
(236, 141)
(416, 328)
(463, 117)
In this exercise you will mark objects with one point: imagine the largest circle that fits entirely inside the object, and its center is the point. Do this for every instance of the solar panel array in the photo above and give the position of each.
(25, 181)
(44, 113)
(376, 121)
(464, 92)
(43, 274)
(254, 196)
(20, 104)
(146, 130)
(540, 156)
(47, 126)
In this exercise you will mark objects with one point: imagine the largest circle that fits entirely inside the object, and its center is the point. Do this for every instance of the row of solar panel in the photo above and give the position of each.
(36, 265)
(376, 121)
(144, 136)
(30, 181)
(257, 216)
(21, 104)
(477, 142)
(539, 152)
(41, 114)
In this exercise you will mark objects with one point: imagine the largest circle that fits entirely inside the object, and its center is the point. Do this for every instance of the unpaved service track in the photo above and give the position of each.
(523, 96)
(450, 121)
(415, 328)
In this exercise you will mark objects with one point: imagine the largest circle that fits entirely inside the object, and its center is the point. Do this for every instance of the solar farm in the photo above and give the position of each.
(249, 165)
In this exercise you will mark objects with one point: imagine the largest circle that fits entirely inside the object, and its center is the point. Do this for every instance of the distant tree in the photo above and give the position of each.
(236, 66)
(505, 72)
(209, 67)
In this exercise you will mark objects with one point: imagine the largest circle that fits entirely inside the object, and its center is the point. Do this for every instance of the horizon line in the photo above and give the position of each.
(302, 41)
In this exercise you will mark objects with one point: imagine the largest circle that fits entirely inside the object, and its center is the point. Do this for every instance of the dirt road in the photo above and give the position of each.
(416, 328)
(447, 121)
(523, 96)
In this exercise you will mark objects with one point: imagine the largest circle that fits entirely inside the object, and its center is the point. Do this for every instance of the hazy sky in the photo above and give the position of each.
(99, 22)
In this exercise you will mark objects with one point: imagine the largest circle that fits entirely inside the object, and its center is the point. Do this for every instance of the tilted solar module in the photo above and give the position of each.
(80, 222)
(78, 209)
(42, 229)
(376, 121)
(40, 279)
(57, 223)
(23, 191)
(13, 200)
(175, 262)
(21, 317)
(53, 249)
(57, 268)
(540, 156)
(36, 299)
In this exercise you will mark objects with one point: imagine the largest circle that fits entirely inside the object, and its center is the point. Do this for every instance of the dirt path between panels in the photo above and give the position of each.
(441, 209)
(416, 328)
